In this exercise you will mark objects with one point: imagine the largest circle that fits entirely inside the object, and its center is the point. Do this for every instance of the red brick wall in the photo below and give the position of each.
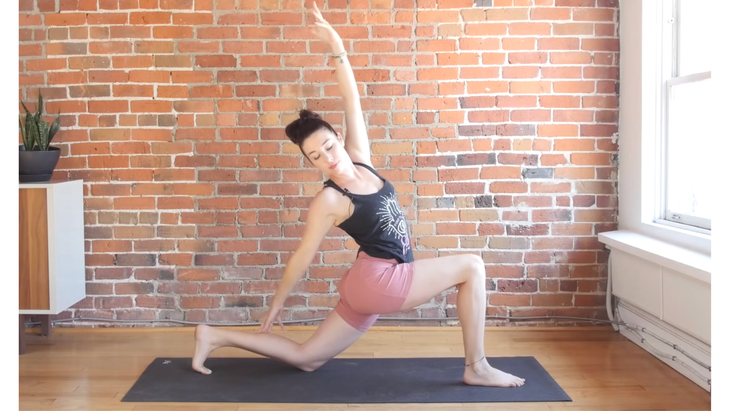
(494, 123)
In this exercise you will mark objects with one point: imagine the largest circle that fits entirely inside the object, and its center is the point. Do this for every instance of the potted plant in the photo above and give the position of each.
(37, 158)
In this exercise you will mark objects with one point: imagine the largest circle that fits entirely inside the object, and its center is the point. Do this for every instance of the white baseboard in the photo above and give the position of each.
(658, 330)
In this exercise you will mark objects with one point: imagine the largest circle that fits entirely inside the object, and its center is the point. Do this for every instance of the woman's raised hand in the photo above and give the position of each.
(322, 29)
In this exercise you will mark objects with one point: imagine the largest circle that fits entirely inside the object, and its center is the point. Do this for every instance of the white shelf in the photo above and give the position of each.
(61, 271)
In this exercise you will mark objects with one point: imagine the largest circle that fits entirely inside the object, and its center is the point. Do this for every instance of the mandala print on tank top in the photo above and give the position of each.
(392, 220)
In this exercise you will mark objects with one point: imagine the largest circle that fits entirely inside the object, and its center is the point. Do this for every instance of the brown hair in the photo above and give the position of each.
(303, 127)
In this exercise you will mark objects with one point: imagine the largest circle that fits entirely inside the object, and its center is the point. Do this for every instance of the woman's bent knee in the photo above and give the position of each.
(307, 360)
(311, 366)
(475, 266)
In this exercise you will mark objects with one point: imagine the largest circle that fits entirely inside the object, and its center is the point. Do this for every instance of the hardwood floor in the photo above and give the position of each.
(92, 369)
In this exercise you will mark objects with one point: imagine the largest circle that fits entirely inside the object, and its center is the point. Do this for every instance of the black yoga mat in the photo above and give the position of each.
(341, 380)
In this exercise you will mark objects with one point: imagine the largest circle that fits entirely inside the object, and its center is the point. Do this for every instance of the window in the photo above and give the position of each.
(687, 134)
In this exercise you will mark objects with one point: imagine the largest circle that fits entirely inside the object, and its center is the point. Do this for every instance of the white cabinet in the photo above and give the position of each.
(51, 230)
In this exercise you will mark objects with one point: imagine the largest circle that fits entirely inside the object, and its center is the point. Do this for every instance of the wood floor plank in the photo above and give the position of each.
(92, 369)
(82, 404)
(37, 402)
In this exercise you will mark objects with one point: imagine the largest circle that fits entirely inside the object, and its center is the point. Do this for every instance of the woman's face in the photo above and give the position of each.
(326, 151)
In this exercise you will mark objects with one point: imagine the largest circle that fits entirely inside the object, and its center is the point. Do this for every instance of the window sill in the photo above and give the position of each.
(671, 235)
(689, 262)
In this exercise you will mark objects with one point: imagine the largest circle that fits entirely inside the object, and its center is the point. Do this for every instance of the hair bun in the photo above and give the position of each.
(307, 123)
(306, 115)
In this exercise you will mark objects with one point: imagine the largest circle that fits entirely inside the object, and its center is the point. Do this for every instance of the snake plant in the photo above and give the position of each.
(37, 133)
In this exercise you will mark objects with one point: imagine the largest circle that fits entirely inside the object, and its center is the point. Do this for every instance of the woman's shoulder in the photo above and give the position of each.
(327, 197)
(329, 201)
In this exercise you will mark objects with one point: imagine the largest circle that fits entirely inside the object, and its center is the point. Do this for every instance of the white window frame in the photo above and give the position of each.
(669, 78)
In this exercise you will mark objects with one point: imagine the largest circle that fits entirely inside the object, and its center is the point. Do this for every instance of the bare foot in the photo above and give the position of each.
(484, 374)
(203, 347)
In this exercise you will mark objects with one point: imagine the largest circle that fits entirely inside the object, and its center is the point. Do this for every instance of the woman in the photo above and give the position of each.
(384, 278)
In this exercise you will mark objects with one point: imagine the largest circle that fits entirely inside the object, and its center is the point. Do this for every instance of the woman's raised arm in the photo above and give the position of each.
(356, 140)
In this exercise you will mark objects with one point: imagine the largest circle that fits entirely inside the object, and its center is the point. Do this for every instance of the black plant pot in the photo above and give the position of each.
(37, 166)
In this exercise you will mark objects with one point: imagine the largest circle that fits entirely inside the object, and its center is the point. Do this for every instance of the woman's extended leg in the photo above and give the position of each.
(466, 272)
(332, 337)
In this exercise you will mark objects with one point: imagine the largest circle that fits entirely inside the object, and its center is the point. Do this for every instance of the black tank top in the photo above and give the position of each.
(377, 223)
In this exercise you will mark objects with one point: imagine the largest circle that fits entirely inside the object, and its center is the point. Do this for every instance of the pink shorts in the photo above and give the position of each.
(371, 287)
